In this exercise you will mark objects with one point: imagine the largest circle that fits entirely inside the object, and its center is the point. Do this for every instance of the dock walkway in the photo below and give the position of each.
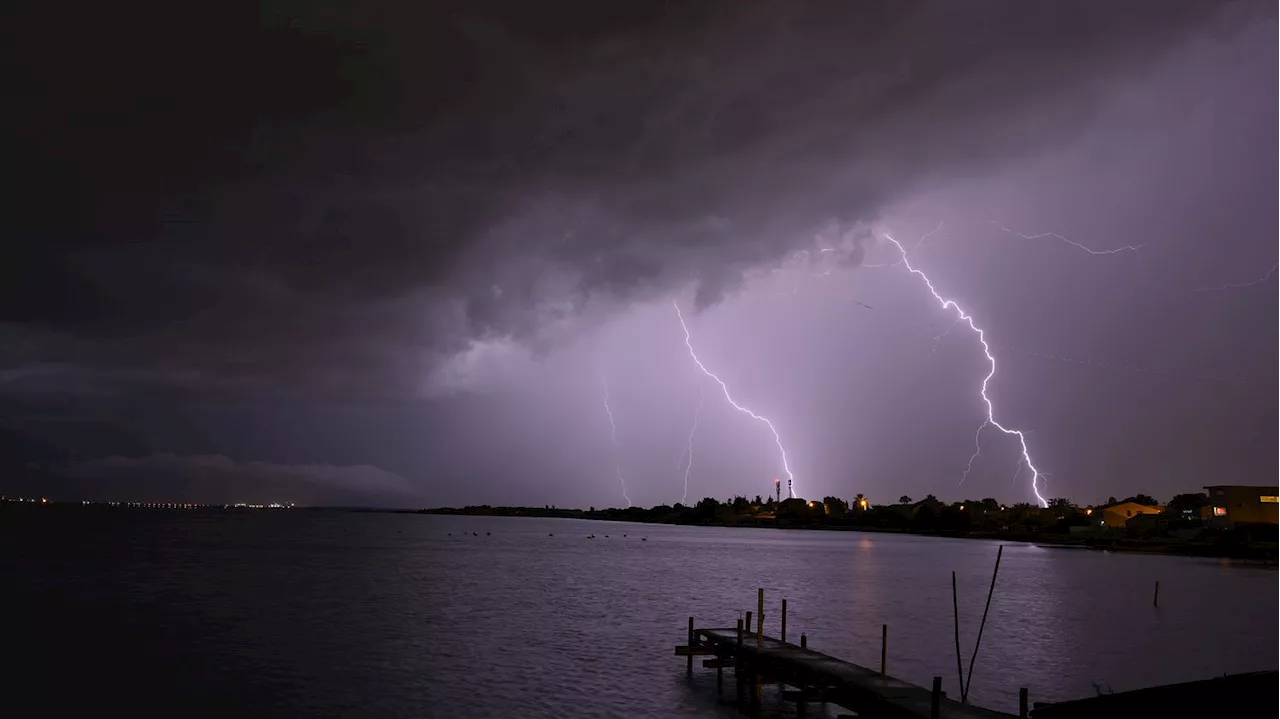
(819, 677)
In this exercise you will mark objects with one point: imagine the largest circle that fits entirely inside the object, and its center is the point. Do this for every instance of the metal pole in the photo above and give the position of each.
(955, 613)
(964, 694)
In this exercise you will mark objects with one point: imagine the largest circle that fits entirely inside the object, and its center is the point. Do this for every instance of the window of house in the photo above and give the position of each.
(1268, 499)
(1219, 511)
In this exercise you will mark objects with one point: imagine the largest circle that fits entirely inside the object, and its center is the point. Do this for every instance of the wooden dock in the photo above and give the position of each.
(817, 677)
(805, 676)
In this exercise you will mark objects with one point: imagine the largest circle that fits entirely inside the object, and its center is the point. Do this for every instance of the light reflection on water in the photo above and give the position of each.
(406, 615)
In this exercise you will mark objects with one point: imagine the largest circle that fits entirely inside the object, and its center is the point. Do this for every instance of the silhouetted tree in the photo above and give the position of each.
(954, 518)
(835, 507)
(1145, 499)
(1111, 501)
(904, 499)
(1187, 502)
(989, 505)
(926, 517)
(1060, 504)
(758, 501)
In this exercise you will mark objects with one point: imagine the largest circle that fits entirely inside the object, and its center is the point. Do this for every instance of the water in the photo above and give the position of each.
(298, 613)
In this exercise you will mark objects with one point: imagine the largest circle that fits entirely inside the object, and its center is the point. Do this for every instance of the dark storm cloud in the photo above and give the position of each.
(339, 197)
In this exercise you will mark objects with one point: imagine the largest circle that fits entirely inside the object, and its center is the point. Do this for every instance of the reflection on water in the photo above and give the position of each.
(306, 613)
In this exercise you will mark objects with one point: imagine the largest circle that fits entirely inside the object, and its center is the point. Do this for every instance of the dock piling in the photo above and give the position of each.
(884, 646)
(759, 617)
(804, 641)
(1155, 599)
(737, 668)
(784, 620)
(747, 625)
(1022, 701)
(689, 668)
(935, 699)
(755, 677)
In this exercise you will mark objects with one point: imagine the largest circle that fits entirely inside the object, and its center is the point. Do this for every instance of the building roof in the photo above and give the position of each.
(1153, 509)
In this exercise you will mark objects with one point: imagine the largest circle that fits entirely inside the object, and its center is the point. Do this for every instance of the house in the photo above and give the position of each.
(1118, 514)
(1146, 524)
(795, 507)
(1243, 504)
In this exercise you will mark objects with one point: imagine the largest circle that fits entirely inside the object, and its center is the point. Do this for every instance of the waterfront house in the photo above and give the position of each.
(1243, 504)
(1117, 515)
(795, 507)
(1146, 524)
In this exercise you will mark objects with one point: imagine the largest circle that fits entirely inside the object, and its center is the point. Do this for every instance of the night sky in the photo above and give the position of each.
(335, 252)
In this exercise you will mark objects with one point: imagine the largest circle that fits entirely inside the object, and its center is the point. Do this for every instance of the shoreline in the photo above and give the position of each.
(1258, 553)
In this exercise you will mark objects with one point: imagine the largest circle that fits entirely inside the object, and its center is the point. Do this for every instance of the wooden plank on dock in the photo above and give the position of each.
(849, 685)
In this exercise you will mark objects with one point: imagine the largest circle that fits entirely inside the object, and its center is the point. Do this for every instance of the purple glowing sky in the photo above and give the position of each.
(392, 283)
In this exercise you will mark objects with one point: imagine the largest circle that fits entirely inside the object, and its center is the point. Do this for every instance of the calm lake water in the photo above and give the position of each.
(298, 613)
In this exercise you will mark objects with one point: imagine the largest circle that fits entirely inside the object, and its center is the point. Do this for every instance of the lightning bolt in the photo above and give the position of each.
(977, 451)
(986, 349)
(1073, 243)
(613, 434)
(914, 251)
(688, 450)
(1234, 285)
(688, 343)
(938, 337)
